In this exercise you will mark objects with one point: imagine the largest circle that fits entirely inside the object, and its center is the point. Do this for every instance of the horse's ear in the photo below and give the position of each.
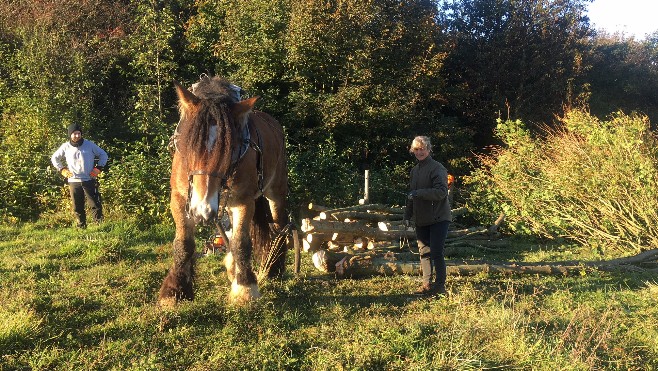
(185, 97)
(242, 109)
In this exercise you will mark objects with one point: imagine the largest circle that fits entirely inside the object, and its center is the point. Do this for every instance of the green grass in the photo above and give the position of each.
(74, 299)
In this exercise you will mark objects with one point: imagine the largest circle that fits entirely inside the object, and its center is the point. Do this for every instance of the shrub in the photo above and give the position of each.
(588, 180)
(138, 185)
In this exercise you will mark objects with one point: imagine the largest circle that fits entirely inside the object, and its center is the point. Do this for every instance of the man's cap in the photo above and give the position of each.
(74, 127)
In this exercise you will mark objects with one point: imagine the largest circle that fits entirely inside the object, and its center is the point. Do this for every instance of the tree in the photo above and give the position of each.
(51, 75)
(515, 59)
(624, 75)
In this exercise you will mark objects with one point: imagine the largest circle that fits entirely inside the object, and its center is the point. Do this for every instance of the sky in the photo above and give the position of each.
(632, 17)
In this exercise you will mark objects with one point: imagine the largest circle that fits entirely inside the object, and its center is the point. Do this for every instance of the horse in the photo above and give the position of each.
(227, 156)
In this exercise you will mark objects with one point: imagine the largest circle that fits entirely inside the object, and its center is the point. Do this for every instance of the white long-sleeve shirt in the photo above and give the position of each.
(79, 160)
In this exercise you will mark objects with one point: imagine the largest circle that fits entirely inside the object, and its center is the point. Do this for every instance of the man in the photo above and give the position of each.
(76, 161)
(429, 206)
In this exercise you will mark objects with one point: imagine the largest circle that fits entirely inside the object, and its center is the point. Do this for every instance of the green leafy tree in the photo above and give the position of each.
(49, 64)
(152, 70)
(624, 76)
(514, 59)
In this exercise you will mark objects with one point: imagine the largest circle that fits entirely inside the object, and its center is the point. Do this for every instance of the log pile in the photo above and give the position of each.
(375, 229)
(366, 240)
(364, 227)
(356, 227)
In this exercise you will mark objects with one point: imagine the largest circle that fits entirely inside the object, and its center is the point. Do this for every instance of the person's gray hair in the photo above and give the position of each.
(421, 141)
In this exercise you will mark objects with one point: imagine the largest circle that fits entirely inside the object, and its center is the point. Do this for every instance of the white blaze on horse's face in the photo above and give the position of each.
(212, 138)
(204, 201)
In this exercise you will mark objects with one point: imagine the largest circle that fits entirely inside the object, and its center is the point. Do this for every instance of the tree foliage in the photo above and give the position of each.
(352, 82)
(515, 59)
(624, 75)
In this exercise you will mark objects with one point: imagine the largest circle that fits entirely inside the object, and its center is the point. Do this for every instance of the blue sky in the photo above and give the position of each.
(632, 17)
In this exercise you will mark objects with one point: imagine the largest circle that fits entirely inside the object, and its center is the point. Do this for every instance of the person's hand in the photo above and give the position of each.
(411, 195)
(405, 223)
(94, 172)
(66, 173)
(451, 179)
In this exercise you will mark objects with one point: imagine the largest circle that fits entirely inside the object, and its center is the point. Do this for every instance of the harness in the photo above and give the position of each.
(225, 191)
(236, 157)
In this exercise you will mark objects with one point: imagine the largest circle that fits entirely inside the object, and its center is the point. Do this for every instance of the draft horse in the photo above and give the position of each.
(227, 157)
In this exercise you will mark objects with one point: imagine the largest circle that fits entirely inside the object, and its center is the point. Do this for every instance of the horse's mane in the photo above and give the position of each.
(213, 110)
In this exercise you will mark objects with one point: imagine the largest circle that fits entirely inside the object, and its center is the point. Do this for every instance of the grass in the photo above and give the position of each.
(74, 299)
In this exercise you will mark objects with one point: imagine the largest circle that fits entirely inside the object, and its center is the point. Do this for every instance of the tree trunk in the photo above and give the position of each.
(390, 263)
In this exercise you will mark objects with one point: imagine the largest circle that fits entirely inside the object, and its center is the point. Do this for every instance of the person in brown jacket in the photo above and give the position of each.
(428, 205)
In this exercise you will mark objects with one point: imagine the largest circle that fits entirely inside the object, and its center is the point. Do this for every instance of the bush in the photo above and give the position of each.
(338, 185)
(591, 181)
(138, 185)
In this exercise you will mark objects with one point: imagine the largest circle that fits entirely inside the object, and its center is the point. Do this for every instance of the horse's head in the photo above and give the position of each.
(210, 129)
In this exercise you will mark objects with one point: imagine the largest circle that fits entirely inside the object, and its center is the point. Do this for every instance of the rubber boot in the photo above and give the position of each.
(426, 267)
(440, 284)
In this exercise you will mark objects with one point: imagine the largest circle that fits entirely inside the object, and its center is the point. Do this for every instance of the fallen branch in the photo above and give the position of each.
(363, 265)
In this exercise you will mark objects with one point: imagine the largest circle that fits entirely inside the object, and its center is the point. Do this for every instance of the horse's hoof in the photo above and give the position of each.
(241, 295)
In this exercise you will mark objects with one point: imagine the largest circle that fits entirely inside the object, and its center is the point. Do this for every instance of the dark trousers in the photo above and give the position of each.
(89, 190)
(434, 236)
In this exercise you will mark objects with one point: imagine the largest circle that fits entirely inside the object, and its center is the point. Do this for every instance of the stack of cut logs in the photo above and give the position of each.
(350, 237)
(356, 227)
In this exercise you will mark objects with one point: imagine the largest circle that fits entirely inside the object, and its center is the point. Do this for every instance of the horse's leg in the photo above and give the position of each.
(179, 283)
(244, 285)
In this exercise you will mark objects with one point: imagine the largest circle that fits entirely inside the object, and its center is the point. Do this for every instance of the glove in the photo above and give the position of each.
(94, 172)
(66, 173)
(411, 195)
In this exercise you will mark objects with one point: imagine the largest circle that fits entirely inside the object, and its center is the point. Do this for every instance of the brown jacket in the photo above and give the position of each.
(429, 180)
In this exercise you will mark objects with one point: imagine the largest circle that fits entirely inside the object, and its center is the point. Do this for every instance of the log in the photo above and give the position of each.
(369, 207)
(319, 208)
(641, 258)
(358, 243)
(315, 241)
(325, 261)
(347, 231)
(360, 215)
(364, 265)
(390, 225)
(353, 228)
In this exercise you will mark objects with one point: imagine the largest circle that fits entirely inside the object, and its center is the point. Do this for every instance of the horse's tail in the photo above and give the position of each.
(260, 233)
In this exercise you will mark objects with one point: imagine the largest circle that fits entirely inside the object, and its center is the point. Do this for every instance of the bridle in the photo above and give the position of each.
(225, 190)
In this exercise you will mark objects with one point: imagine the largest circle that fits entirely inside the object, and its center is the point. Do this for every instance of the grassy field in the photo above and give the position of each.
(85, 300)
